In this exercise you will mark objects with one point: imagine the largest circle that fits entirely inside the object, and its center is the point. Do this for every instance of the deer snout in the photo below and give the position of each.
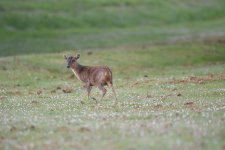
(68, 66)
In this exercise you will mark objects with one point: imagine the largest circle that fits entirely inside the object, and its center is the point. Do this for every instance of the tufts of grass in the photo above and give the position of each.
(149, 110)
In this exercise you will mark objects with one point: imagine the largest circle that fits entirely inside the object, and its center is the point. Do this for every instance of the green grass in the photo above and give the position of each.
(53, 26)
(69, 14)
(156, 111)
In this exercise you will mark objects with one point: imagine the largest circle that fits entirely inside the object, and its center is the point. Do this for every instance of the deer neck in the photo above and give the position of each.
(76, 68)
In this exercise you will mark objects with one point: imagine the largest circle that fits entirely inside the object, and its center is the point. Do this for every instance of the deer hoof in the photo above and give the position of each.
(94, 98)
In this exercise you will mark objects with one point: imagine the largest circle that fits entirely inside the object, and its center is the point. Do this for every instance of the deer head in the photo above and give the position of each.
(71, 60)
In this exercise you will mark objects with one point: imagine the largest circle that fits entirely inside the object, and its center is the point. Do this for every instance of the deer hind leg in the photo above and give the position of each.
(101, 87)
(113, 90)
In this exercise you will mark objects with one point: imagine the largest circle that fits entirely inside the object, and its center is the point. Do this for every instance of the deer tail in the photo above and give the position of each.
(110, 74)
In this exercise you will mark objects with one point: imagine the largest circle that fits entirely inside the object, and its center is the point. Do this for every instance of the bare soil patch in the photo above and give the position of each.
(197, 79)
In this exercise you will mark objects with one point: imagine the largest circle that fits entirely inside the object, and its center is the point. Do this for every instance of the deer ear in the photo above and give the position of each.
(65, 57)
(78, 56)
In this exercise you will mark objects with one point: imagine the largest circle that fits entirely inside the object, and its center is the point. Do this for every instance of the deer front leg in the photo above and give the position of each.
(88, 89)
(87, 86)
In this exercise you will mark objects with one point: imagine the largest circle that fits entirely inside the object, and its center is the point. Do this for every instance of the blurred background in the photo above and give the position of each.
(36, 26)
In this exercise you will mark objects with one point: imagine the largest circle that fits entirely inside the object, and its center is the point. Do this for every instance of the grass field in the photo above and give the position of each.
(168, 63)
(32, 26)
(168, 97)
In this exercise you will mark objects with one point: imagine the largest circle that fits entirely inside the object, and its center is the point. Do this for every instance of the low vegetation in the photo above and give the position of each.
(28, 27)
(168, 97)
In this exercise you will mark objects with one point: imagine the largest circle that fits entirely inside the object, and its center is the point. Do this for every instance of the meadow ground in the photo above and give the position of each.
(169, 97)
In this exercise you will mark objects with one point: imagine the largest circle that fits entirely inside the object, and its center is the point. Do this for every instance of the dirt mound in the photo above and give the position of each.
(67, 89)
(197, 79)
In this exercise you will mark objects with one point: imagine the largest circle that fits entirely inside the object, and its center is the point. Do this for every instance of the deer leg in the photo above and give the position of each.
(101, 87)
(111, 86)
(88, 88)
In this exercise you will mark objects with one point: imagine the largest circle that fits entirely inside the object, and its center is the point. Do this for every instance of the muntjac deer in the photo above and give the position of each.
(98, 76)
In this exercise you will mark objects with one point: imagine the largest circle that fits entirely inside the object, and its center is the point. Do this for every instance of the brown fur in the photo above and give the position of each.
(98, 76)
